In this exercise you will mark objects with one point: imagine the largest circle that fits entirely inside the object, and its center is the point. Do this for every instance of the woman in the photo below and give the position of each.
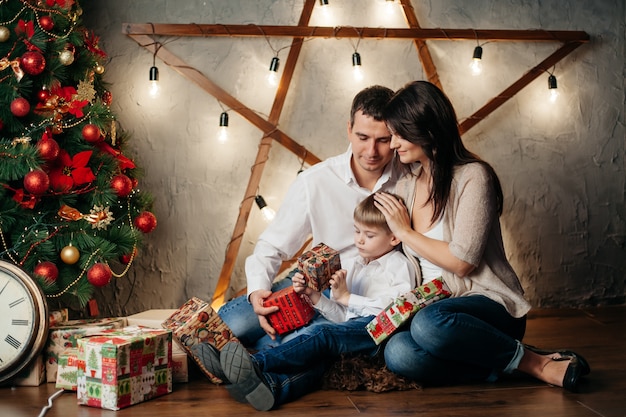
(452, 230)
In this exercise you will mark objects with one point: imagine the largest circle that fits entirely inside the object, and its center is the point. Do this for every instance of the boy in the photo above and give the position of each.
(294, 368)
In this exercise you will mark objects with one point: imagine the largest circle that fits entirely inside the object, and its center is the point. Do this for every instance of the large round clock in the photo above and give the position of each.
(23, 320)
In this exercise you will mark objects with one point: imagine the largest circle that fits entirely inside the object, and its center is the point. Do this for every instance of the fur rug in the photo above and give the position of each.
(354, 373)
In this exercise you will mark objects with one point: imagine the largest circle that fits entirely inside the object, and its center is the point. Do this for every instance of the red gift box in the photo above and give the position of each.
(294, 311)
(318, 264)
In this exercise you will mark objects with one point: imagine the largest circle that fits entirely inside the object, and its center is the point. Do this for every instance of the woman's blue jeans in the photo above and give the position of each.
(296, 367)
(457, 340)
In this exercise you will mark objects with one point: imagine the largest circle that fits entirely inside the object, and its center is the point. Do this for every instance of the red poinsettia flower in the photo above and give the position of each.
(71, 171)
(23, 200)
(76, 108)
(65, 4)
(64, 93)
(91, 42)
(124, 162)
(27, 29)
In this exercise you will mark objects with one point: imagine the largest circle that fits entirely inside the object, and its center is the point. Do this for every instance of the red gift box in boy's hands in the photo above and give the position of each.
(294, 311)
(318, 265)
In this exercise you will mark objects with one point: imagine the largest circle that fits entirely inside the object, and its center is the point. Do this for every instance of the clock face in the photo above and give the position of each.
(23, 320)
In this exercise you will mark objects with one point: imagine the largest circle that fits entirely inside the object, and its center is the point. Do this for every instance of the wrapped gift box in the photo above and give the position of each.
(33, 375)
(66, 335)
(122, 367)
(318, 264)
(154, 318)
(294, 311)
(404, 307)
(58, 317)
(150, 318)
(196, 322)
(67, 371)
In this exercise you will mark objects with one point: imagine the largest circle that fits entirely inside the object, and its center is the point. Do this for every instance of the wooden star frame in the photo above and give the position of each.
(143, 34)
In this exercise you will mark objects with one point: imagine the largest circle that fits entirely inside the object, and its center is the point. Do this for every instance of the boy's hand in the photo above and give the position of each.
(339, 287)
(300, 287)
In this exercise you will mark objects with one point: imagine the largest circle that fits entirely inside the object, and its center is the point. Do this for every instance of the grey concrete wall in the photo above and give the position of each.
(561, 164)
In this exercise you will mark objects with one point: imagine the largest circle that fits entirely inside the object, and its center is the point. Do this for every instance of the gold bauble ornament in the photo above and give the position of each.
(4, 34)
(99, 69)
(66, 57)
(70, 255)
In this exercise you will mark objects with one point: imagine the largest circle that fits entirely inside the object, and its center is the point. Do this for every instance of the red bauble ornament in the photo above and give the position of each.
(48, 270)
(48, 149)
(20, 107)
(43, 96)
(145, 221)
(91, 133)
(33, 62)
(36, 182)
(122, 185)
(99, 275)
(107, 98)
(46, 23)
(125, 259)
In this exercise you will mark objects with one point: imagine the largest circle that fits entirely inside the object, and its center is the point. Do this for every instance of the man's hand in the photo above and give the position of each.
(256, 299)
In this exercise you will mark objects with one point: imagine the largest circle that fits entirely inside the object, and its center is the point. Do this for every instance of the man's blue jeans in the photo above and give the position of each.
(457, 340)
(296, 367)
(241, 319)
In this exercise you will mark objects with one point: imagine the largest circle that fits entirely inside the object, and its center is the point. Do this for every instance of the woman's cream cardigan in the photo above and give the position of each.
(471, 225)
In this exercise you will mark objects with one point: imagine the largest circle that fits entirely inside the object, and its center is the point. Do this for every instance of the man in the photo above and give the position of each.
(319, 203)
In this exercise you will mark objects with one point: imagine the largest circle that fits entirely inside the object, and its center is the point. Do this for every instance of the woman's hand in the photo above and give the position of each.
(395, 213)
(339, 287)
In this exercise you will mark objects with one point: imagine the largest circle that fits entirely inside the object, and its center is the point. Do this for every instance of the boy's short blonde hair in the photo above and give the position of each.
(368, 214)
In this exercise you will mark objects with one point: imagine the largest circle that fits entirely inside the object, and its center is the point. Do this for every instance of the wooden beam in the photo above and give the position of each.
(514, 88)
(302, 31)
(235, 105)
(422, 49)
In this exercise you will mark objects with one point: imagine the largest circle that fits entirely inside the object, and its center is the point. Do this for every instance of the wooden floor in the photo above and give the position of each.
(598, 334)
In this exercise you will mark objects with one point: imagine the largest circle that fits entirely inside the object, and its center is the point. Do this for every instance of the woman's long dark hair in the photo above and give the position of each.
(422, 114)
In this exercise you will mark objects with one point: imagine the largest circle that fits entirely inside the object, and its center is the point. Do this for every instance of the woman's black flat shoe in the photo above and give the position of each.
(565, 354)
(572, 375)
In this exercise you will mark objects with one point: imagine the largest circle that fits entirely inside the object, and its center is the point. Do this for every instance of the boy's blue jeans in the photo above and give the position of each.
(458, 340)
(296, 367)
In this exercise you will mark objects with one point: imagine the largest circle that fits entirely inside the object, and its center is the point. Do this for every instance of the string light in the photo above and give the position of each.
(476, 65)
(267, 212)
(357, 71)
(272, 77)
(154, 74)
(552, 88)
(223, 135)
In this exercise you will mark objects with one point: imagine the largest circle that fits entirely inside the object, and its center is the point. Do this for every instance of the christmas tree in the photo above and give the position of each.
(70, 210)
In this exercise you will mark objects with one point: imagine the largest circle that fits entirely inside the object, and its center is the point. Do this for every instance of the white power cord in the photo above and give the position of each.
(49, 406)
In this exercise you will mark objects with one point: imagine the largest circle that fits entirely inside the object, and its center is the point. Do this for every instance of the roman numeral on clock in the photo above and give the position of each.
(16, 302)
(13, 341)
(19, 322)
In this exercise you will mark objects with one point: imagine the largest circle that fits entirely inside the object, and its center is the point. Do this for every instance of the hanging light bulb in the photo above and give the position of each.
(476, 66)
(552, 88)
(356, 66)
(223, 135)
(267, 212)
(324, 3)
(154, 81)
(272, 77)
